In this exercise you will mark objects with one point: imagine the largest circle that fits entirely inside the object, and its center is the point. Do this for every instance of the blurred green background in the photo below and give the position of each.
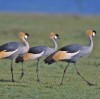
(71, 29)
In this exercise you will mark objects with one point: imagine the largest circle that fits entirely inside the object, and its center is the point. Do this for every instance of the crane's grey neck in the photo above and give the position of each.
(55, 47)
(90, 42)
(26, 44)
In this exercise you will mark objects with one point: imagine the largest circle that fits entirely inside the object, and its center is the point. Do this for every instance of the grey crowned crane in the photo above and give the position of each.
(38, 52)
(12, 49)
(72, 53)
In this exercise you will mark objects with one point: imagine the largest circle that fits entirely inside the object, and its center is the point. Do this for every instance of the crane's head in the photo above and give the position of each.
(90, 33)
(23, 35)
(54, 36)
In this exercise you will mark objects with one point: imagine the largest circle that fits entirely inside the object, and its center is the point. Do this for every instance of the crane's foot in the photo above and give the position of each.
(22, 74)
(13, 80)
(90, 84)
(38, 80)
(61, 83)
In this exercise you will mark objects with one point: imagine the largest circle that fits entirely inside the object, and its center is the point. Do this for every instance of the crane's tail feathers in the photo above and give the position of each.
(49, 59)
(19, 59)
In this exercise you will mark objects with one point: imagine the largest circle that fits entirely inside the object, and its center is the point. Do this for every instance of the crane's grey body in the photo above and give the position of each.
(84, 51)
(21, 49)
(43, 49)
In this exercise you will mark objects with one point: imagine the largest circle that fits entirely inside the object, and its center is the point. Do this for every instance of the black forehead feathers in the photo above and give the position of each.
(94, 31)
(27, 34)
(57, 35)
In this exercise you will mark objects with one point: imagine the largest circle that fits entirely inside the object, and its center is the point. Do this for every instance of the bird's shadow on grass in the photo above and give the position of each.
(4, 80)
(15, 83)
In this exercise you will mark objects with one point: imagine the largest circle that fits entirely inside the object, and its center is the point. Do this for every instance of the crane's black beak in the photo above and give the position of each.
(58, 37)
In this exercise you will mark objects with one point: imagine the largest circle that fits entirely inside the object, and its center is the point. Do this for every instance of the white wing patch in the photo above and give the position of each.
(11, 52)
(35, 56)
(70, 55)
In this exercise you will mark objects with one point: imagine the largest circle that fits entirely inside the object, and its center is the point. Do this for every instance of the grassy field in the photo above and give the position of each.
(71, 30)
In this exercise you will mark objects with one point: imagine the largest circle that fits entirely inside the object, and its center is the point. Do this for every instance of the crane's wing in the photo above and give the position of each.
(11, 46)
(37, 49)
(71, 48)
(8, 49)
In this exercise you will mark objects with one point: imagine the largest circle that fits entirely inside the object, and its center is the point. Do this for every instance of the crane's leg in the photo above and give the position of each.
(12, 61)
(64, 74)
(37, 71)
(22, 73)
(82, 76)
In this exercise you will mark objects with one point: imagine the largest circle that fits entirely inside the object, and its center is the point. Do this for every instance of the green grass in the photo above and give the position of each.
(71, 30)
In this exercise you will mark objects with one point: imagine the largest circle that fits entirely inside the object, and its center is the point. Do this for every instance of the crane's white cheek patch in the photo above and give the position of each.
(93, 34)
(4, 54)
(55, 37)
(25, 36)
(61, 55)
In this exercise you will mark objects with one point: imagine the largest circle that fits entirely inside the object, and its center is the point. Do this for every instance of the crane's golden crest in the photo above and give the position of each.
(21, 35)
(89, 33)
(52, 35)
